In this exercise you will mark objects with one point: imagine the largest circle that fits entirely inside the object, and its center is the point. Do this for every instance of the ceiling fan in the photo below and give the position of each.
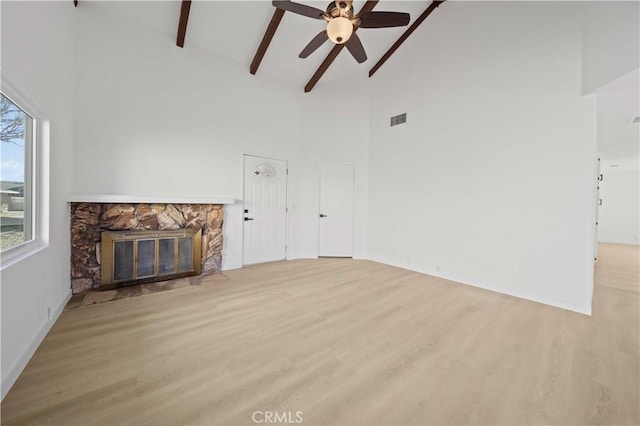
(341, 23)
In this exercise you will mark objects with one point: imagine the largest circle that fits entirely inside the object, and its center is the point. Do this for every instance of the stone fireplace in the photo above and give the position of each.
(90, 219)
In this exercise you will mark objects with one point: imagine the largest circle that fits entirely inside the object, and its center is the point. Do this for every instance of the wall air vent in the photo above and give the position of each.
(399, 119)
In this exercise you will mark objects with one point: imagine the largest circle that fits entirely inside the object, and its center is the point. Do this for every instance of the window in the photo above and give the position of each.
(21, 230)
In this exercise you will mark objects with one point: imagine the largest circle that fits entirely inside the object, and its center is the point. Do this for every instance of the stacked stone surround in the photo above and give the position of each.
(88, 220)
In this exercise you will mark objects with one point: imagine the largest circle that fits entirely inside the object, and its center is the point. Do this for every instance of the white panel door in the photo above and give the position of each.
(265, 210)
(336, 210)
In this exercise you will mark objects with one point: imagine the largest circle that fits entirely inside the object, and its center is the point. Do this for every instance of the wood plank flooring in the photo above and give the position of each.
(343, 342)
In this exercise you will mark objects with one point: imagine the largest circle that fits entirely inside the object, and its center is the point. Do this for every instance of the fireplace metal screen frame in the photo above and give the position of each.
(108, 245)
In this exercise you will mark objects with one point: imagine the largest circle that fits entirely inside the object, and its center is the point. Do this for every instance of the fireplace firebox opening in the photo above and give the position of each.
(130, 257)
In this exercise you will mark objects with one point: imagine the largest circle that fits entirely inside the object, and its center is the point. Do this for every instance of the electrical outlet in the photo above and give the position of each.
(49, 312)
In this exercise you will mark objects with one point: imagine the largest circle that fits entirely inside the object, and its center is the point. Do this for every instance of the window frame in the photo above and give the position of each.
(36, 167)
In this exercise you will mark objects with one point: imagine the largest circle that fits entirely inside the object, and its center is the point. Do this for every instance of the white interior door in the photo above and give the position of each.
(336, 210)
(265, 210)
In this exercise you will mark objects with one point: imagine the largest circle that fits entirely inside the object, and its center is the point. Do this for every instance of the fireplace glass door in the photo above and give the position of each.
(150, 255)
(167, 257)
(185, 254)
(123, 260)
(146, 258)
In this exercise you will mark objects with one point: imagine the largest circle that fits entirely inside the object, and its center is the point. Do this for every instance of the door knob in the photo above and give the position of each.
(248, 218)
(323, 215)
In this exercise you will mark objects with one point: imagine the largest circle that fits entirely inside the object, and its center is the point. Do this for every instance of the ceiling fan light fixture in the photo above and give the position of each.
(339, 30)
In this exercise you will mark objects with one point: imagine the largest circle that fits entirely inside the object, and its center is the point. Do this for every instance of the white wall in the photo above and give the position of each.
(491, 181)
(610, 37)
(617, 103)
(154, 119)
(38, 56)
(157, 119)
(619, 215)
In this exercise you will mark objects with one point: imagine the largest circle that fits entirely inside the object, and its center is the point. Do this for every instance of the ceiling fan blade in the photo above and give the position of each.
(354, 46)
(384, 19)
(300, 9)
(314, 44)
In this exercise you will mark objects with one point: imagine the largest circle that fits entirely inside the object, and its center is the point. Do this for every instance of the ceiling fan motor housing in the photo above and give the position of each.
(339, 26)
(334, 10)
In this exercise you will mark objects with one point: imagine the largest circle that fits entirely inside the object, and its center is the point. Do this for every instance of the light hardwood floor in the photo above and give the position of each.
(343, 342)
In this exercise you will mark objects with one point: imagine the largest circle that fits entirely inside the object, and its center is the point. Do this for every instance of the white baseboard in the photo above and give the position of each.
(14, 372)
(563, 304)
(233, 264)
(624, 242)
(360, 256)
(302, 255)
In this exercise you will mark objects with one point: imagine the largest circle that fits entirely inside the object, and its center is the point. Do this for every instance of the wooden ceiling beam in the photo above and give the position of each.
(182, 24)
(433, 6)
(266, 40)
(323, 67)
(368, 7)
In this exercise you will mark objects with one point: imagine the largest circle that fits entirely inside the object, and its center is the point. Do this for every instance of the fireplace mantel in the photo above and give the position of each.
(135, 199)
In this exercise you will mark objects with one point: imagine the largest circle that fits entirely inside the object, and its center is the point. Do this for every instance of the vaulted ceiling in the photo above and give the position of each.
(234, 29)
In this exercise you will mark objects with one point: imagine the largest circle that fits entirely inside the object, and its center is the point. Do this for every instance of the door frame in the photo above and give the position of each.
(286, 202)
(599, 178)
(353, 199)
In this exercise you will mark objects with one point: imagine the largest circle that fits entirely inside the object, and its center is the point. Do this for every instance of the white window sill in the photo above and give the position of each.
(20, 252)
